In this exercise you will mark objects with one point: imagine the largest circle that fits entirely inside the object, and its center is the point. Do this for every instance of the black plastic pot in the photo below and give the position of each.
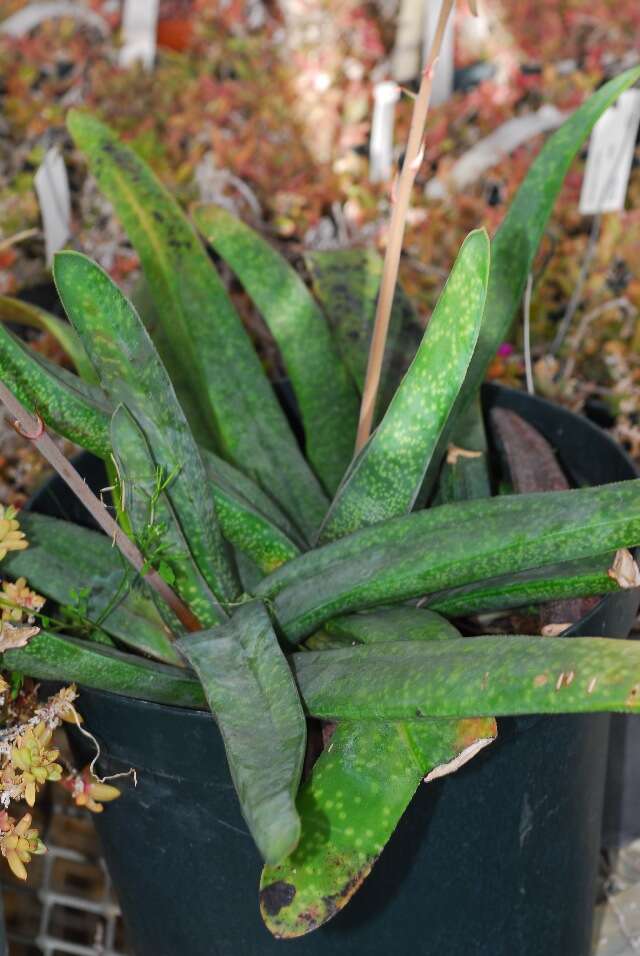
(499, 859)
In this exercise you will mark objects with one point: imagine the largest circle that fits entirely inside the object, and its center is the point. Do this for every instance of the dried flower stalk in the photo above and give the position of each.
(402, 195)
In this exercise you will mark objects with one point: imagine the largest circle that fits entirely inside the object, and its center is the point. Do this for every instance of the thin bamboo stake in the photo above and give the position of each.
(32, 428)
(402, 196)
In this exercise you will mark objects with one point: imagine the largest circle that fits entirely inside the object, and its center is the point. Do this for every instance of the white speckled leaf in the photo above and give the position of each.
(386, 477)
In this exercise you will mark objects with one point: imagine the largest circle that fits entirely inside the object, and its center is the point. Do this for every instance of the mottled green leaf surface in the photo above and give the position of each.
(253, 534)
(402, 623)
(202, 327)
(450, 546)
(65, 403)
(387, 475)
(249, 519)
(559, 582)
(251, 692)
(477, 676)
(326, 395)
(31, 316)
(359, 789)
(154, 522)
(50, 656)
(64, 559)
(346, 283)
(131, 372)
(83, 412)
(185, 383)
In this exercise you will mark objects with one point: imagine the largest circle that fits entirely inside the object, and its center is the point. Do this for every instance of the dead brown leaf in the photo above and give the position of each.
(15, 635)
(624, 569)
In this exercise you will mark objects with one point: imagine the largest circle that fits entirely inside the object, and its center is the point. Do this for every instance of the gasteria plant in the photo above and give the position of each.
(311, 580)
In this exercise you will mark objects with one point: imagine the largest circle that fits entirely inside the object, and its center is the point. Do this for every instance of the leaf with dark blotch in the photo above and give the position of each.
(478, 676)
(202, 327)
(360, 787)
(449, 546)
(251, 691)
(516, 242)
(386, 477)
(346, 283)
(150, 511)
(64, 559)
(358, 791)
(326, 395)
(50, 656)
(586, 578)
(131, 372)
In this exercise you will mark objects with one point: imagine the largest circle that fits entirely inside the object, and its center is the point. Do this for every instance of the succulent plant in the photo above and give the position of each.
(321, 584)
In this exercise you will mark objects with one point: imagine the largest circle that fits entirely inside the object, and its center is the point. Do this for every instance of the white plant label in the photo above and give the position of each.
(610, 155)
(139, 30)
(52, 187)
(443, 77)
(31, 16)
(385, 97)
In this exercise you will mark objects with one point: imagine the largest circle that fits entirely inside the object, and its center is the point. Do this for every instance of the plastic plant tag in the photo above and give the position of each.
(610, 155)
(385, 97)
(52, 187)
(31, 16)
(139, 29)
(443, 77)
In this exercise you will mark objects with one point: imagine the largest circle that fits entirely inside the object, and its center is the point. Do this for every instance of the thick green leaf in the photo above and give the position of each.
(515, 245)
(386, 477)
(154, 522)
(326, 395)
(359, 789)
(557, 582)
(66, 404)
(450, 546)
(31, 316)
(250, 532)
(249, 519)
(477, 676)
(346, 283)
(202, 327)
(402, 623)
(252, 694)
(50, 656)
(64, 560)
(131, 372)
(182, 377)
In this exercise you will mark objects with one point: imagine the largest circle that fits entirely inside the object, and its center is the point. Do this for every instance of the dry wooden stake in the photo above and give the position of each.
(32, 428)
(401, 198)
